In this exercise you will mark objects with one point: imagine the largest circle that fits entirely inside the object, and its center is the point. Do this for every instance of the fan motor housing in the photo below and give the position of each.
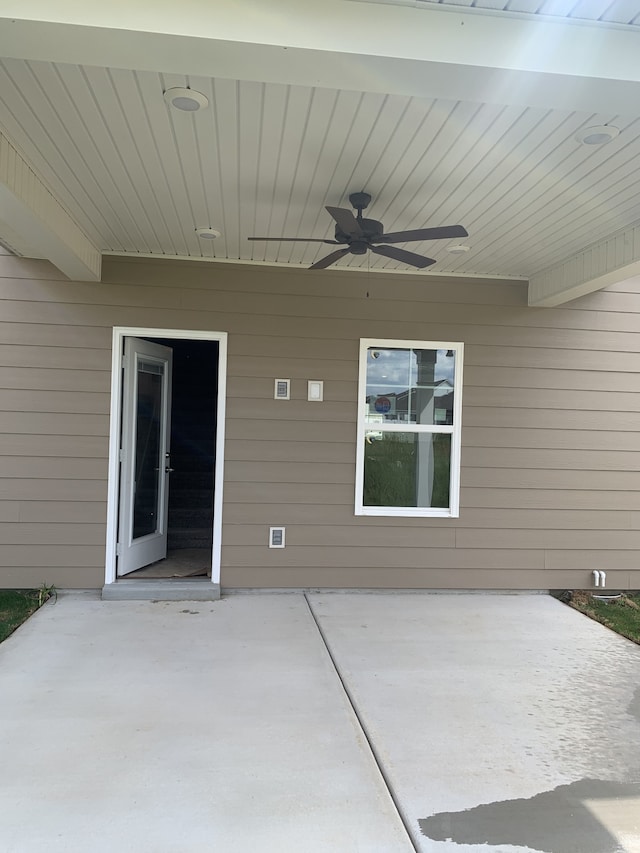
(371, 229)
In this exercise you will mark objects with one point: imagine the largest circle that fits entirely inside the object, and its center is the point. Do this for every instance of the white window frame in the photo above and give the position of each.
(455, 430)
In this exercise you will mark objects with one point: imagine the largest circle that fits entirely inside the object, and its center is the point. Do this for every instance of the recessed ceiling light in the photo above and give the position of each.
(187, 100)
(458, 250)
(598, 135)
(208, 233)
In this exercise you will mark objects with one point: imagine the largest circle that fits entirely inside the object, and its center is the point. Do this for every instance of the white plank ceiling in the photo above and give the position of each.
(266, 157)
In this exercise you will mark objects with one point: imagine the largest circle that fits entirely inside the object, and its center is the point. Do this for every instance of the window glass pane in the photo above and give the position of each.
(407, 469)
(412, 386)
(148, 464)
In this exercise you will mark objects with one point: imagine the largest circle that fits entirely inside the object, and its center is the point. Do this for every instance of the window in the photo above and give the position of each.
(409, 408)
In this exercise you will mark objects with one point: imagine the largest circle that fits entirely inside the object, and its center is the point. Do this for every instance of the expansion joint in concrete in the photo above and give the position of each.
(363, 729)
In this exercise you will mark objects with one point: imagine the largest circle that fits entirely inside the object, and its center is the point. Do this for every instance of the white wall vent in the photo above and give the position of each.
(282, 389)
(276, 537)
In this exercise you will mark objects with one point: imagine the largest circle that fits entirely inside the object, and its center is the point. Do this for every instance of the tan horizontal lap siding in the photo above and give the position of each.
(549, 437)
(242, 514)
(72, 534)
(328, 555)
(551, 425)
(500, 499)
(55, 375)
(345, 576)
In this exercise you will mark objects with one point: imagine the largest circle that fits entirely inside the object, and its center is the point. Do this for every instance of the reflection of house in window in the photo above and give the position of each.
(440, 394)
(403, 406)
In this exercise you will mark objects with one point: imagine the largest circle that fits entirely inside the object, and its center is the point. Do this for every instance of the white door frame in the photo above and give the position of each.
(119, 334)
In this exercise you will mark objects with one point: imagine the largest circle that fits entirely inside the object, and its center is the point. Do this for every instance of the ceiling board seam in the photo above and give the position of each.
(328, 231)
(141, 159)
(159, 206)
(116, 150)
(176, 147)
(317, 159)
(488, 223)
(595, 213)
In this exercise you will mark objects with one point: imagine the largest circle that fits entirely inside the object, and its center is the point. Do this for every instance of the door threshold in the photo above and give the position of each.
(161, 590)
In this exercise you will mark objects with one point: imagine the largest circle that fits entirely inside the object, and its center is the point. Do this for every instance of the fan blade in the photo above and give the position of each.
(443, 233)
(347, 222)
(403, 256)
(296, 240)
(325, 262)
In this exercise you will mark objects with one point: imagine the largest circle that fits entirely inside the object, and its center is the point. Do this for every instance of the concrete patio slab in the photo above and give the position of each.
(183, 727)
(482, 724)
(504, 723)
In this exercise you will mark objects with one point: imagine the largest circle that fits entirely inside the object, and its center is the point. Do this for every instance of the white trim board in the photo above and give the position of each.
(119, 334)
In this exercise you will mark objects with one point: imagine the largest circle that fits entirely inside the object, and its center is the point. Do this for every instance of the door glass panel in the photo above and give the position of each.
(410, 386)
(149, 462)
(407, 469)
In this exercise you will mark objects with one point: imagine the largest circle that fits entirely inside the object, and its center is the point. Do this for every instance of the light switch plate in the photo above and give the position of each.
(315, 390)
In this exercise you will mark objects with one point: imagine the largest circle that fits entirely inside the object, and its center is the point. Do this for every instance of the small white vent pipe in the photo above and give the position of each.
(599, 577)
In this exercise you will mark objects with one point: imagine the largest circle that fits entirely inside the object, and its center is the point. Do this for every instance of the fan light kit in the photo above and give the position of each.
(208, 233)
(599, 135)
(187, 100)
(359, 236)
(457, 250)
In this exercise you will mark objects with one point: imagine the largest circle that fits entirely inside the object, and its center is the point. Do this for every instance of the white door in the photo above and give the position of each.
(145, 455)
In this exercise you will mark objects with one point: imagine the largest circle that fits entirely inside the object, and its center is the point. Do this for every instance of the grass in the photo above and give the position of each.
(16, 605)
(621, 614)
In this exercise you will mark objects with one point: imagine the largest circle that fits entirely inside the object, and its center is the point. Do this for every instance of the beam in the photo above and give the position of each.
(396, 49)
(34, 223)
(614, 259)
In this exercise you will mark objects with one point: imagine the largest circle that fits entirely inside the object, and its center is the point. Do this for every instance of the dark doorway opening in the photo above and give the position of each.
(194, 398)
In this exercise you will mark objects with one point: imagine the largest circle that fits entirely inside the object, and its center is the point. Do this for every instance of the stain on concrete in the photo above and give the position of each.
(556, 821)
(634, 705)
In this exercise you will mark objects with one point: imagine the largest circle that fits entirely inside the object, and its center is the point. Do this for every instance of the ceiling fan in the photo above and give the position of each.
(360, 235)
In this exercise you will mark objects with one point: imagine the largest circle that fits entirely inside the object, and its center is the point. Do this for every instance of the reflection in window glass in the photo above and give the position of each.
(411, 386)
(147, 462)
(403, 469)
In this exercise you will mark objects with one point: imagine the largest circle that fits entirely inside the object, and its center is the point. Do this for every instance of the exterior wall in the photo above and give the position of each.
(551, 425)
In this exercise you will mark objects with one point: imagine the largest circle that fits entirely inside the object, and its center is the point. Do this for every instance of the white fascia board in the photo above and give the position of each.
(614, 259)
(36, 225)
(398, 49)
